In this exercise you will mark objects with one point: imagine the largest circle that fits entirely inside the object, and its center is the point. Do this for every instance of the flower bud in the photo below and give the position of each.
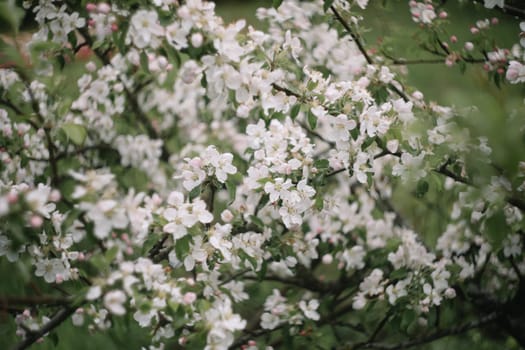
(91, 7)
(104, 8)
(327, 259)
(196, 40)
(36, 221)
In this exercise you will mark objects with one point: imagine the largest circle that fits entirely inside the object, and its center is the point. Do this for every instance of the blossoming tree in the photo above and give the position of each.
(222, 186)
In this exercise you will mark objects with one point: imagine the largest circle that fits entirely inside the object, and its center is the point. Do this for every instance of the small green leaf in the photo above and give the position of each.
(422, 188)
(262, 272)
(327, 4)
(496, 229)
(11, 14)
(354, 133)
(194, 193)
(232, 190)
(276, 3)
(262, 202)
(258, 222)
(367, 143)
(54, 338)
(182, 247)
(111, 254)
(319, 203)
(312, 120)
(75, 132)
(322, 164)
(144, 62)
(295, 111)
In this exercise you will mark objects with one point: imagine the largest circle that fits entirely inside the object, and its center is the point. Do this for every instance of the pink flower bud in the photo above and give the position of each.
(196, 40)
(501, 70)
(55, 196)
(252, 343)
(91, 66)
(91, 22)
(12, 197)
(327, 259)
(443, 15)
(90, 7)
(36, 221)
(104, 8)
(453, 39)
(59, 279)
(26, 313)
(469, 46)
(474, 30)
(226, 216)
(189, 298)
(114, 27)
(494, 20)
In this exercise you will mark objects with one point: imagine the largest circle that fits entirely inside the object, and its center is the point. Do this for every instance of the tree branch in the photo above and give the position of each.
(352, 34)
(434, 336)
(55, 321)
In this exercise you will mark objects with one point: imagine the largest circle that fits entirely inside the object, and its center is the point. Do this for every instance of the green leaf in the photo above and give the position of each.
(182, 247)
(295, 111)
(144, 62)
(194, 193)
(367, 143)
(322, 164)
(327, 4)
(54, 338)
(276, 3)
(75, 132)
(496, 229)
(354, 133)
(319, 202)
(258, 222)
(11, 15)
(422, 188)
(408, 317)
(312, 120)
(111, 254)
(262, 202)
(262, 272)
(232, 190)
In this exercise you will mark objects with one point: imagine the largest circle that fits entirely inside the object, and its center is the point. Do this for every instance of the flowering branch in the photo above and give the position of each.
(61, 316)
(483, 321)
(352, 34)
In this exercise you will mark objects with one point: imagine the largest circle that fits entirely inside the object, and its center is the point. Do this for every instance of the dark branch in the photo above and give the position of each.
(352, 34)
(55, 321)
(437, 335)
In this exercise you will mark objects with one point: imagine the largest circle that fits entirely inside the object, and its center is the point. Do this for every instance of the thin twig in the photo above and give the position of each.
(55, 321)
(352, 34)
(435, 336)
